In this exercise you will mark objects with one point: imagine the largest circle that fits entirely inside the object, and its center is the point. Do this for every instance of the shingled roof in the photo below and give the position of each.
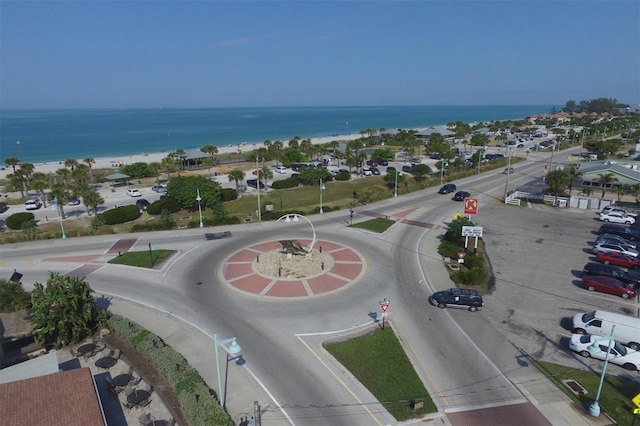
(67, 398)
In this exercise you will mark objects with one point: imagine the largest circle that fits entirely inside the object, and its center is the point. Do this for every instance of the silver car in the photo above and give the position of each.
(614, 248)
(615, 239)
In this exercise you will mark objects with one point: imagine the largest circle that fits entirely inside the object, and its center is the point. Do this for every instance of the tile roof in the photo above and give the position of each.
(67, 398)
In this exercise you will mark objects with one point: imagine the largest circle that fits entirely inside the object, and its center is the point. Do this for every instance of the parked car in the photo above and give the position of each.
(406, 168)
(33, 204)
(142, 204)
(458, 298)
(611, 238)
(618, 259)
(159, 188)
(607, 285)
(446, 189)
(631, 234)
(372, 163)
(631, 278)
(616, 217)
(367, 172)
(590, 346)
(375, 171)
(253, 183)
(74, 201)
(134, 192)
(614, 209)
(461, 195)
(3, 207)
(612, 247)
(382, 162)
(281, 169)
(391, 169)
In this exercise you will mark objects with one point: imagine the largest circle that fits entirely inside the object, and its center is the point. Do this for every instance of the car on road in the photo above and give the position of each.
(159, 188)
(461, 195)
(590, 346)
(614, 209)
(446, 189)
(134, 192)
(507, 171)
(253, 183)
(631, 278)
(616, 217)
(607, 285)
(142, 204)
(614, 247)
(281, 169)
(3, 207)
(618, 259)
(458, 298)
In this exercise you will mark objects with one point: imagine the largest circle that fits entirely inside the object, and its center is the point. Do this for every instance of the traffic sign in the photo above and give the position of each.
(461, 254)
(636, 400)
(384, 305)
(472, 231)
(470, 206)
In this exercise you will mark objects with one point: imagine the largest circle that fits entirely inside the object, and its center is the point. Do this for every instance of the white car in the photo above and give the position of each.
(367, 172)
(134, 192)
(616, 217)
(596, 347)
(281, 169)
(611, 247)
(614, 209)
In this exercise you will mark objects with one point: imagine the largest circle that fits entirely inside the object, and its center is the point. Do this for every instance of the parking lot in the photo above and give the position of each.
(537, 254)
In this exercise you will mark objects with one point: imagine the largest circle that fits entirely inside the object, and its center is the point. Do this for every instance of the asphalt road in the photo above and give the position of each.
(463, 358)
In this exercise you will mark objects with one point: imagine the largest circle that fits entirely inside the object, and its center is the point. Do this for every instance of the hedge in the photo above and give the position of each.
(16, 220)
(228, 194)
(121, 214)
(285, 183)
(164, 203)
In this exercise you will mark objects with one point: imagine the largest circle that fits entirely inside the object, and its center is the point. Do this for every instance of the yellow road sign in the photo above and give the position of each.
(636, 400)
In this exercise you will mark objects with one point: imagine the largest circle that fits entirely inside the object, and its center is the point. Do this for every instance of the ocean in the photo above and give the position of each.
(38, 136)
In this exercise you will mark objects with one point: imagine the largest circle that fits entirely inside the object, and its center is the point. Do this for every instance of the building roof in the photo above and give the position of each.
(39, 366)
(67, 398)
(628, 171)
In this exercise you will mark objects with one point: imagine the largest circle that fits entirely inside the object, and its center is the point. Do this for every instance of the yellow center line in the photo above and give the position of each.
(339, 380)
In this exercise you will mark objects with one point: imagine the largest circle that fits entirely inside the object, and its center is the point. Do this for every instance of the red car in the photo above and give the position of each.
(607, 285)
(618, 259)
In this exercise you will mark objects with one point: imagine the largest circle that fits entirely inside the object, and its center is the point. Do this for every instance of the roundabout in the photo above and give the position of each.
(267, 270)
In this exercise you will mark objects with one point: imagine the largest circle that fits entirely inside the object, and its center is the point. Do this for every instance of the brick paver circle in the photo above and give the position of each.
(342, 267)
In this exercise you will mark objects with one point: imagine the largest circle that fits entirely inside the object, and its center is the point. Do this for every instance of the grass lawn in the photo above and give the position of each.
(375, 225)
(143, 259)
(379, 362)
(616, 395)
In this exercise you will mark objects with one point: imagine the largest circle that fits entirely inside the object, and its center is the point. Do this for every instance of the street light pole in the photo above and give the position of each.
(594, 408)
(294, 217)
(395, 186)
(506, 183)
(234, 349)
(64, 236)
(199, 199)
(258, 186)
(322, 188)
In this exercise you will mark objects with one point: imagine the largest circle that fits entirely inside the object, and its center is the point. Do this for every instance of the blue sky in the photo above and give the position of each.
(86, 54)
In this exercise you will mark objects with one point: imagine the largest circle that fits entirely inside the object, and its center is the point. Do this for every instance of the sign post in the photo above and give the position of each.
(470, 206)
(471, 231)
(384, 305)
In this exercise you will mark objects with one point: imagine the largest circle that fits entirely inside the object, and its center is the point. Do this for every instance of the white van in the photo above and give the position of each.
(33, 204)
(600, 323)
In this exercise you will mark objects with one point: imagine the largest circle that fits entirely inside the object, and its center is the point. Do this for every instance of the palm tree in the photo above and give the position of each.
(236, 175)
(604, 179)
(621, 190)
(40, 182)
(65, 174)
(12, 162)
(573, 173)
(169, 164)
(90, 162)
(155, 169)
(61, 195)
(71, 163)
(92, 199)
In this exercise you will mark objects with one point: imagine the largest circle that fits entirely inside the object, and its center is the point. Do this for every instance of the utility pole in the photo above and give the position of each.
(506, 183)
(258, 186)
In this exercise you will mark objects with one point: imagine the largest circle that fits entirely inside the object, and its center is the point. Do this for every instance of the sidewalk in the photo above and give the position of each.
(198, 349)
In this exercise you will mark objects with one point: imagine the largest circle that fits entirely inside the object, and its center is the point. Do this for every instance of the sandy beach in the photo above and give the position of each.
(112, 162)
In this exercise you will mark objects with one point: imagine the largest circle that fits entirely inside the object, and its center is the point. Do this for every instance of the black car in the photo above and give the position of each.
(374, 171)
(631, 278)
(391, 169)
(446, 189)
(406, 168)
(382, 162)
(253, 183)
(142, 203)
(3, 207)
(461, 195)
(631, 234)
(458, 298)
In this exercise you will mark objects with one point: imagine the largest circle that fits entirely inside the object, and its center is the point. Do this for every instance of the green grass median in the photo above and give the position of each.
(379, 362)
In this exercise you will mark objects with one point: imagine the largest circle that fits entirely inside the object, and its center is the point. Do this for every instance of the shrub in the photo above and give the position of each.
(449, 249)
(121, 214)
(16, 220)
(342, 176)
(164, 203)
(97, 222)
(12, 296)
(470, 277)
(228, 194)
(151, 226)
(473, 261)
(285, 183)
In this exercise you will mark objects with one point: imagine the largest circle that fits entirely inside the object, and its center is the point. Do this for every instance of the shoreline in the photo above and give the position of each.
(153, 157)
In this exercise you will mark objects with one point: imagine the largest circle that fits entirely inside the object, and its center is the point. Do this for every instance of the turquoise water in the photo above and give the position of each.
(54, 135)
